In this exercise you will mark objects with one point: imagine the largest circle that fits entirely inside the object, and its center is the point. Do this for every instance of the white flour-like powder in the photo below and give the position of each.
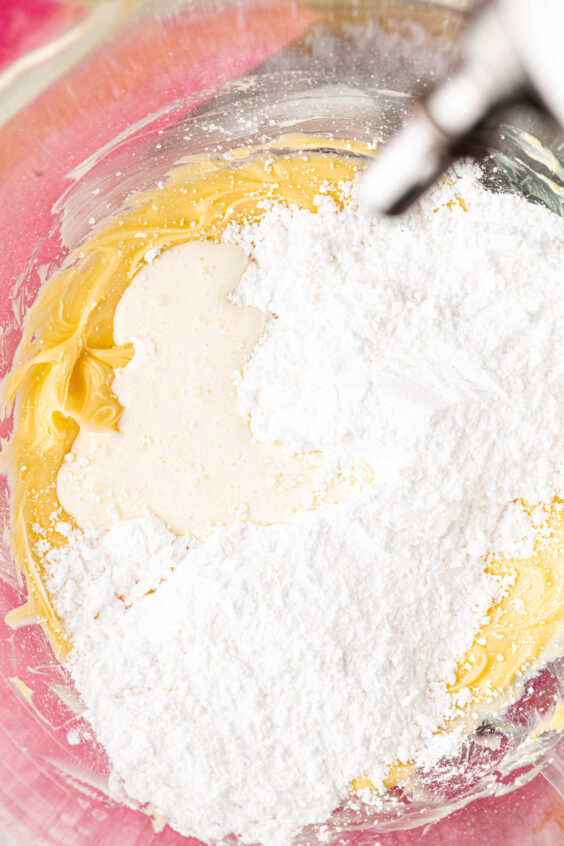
(241, 684)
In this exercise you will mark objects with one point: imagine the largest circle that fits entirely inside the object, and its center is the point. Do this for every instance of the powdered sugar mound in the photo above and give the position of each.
(515, 533)
(274, 665)
(429, 346)
(97, 573)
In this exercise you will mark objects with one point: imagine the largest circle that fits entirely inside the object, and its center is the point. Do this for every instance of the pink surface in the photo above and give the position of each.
(27, 24)
(136, 74)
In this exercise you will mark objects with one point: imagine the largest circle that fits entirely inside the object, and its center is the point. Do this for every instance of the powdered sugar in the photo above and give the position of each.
(429, 347)
(240, 685)
(273, 666)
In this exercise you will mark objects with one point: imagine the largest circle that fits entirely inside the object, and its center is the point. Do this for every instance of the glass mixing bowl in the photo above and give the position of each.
(173, 80)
